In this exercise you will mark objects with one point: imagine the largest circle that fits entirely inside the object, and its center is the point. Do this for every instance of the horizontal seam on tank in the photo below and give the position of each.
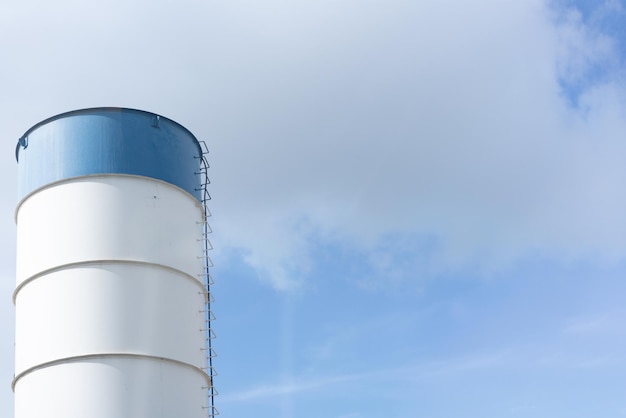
(73, 359)
(74, 178)
(105, 262)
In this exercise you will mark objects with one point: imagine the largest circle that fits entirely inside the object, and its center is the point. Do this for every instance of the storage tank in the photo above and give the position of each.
(112, 297)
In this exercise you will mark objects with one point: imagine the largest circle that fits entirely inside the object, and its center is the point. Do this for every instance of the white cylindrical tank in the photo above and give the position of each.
(110, 300)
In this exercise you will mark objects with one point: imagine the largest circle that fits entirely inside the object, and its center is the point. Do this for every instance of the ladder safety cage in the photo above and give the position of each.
(207, 280)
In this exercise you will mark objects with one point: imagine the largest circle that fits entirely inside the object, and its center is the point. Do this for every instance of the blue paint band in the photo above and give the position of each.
(108, 140)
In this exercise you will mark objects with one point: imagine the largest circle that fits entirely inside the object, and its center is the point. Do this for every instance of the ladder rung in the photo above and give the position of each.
(211, 353)
(211, 369)
(211, 315)
(213, 413)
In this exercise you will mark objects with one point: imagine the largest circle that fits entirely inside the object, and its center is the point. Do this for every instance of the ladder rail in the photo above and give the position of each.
(207, 279)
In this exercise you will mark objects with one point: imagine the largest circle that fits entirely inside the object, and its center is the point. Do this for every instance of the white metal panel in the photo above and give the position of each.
(108, 218)
(112, 388)
(108, 301)
(109, 308)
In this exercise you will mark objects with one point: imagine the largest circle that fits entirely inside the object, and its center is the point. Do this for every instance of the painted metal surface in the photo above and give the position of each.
(107, 141)
(109, 307)
(108, 218)
(111, 387)
(110, 301)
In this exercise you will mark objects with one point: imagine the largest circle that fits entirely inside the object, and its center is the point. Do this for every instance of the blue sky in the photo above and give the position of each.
(419, 206)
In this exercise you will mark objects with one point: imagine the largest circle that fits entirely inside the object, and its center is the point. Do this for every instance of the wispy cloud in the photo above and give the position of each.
(281, 389)
(596, 325)
(514, 361)
(408, 373)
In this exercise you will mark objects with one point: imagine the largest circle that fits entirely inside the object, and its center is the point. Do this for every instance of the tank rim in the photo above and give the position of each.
(22, 140)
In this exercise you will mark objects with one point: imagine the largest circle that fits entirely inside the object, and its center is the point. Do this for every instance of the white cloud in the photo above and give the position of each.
(344, 122)
(442, 120)
(347, 122)
(582, 48)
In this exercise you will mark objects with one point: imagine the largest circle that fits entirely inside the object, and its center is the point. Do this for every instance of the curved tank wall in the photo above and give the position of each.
(107, 141)
(109, 297)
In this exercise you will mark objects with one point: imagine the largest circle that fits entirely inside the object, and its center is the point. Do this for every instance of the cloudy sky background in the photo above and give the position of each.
(419, 206)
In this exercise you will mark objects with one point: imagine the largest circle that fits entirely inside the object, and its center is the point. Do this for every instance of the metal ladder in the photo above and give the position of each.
(207, 280)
